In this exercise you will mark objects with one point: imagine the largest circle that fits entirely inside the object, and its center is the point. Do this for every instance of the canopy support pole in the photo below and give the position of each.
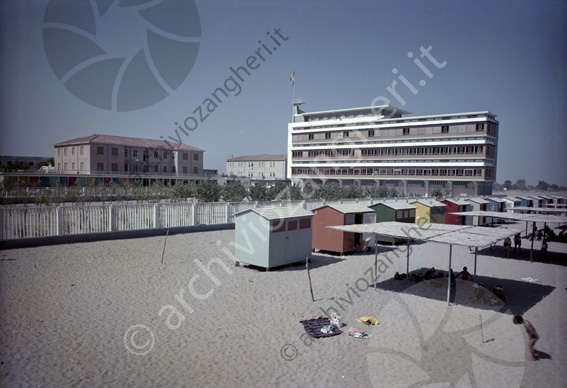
(375, 260)
(449, 272)
(533, 238)
(407, 264)
(475, 254)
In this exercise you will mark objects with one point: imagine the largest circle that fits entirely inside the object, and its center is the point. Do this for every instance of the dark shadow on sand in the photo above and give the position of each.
(520, 295)
(557, 258)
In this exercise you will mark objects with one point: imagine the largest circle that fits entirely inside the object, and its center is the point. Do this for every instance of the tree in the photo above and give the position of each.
(208, 192)
(329, 192)
(233, 191)
(378, 192)
(258, 191)
(437, 192)
(508, 184)
(278, 191)
(352, 192)
(179, 192)
(542, 185)
(295, 192)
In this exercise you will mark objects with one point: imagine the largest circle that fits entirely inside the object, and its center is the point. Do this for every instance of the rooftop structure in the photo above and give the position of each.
(376, 146)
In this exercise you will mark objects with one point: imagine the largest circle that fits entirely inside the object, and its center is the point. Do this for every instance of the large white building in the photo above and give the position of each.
(270, 167)
(376, 146)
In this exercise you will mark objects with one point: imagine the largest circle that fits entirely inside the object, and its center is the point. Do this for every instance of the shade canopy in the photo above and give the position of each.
(549, 219)
(465, 235)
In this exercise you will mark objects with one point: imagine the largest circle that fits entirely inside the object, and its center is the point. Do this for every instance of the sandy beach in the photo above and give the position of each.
(111, 314)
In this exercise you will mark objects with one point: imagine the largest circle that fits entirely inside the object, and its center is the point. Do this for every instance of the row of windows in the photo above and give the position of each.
(453, 150)
(476, 172)
(114, 152)
(134, 168)
(415, 131)
(259, 164)
(280, 225)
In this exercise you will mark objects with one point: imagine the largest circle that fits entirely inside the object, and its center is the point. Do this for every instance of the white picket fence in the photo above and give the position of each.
(19, 222)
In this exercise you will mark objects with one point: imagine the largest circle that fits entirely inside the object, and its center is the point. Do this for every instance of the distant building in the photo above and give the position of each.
(271, 167)
(118, 155)
(8, 163)
(376, 146)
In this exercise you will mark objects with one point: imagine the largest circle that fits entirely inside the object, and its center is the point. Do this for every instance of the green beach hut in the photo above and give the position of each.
(393, 211)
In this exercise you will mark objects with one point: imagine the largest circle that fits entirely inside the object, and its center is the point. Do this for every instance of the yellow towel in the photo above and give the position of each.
(368, 320)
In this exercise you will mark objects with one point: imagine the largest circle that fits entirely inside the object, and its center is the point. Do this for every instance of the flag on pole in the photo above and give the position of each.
(292, 78)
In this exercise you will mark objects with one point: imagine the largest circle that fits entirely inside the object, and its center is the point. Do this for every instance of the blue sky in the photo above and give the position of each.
(504, 56)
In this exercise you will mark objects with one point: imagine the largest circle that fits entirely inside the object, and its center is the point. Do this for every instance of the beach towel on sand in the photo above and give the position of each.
(368, 320)
(313, 327)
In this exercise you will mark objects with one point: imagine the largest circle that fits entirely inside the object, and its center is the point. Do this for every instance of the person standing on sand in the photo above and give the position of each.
(518, 242)
(507, 244)
(532, 333)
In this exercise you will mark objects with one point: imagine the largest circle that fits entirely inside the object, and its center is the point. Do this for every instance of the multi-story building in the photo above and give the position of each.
(376, 146)
(106, 154)
(271, 167)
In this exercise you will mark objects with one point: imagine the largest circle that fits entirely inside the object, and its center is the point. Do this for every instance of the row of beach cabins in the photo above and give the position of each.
(274, 237)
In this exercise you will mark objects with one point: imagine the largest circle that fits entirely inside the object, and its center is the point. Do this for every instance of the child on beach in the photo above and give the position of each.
(465, 274)
(532, 333)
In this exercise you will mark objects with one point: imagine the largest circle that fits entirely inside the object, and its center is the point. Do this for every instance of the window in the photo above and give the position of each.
(126, 167)
(135, 153)
(370, 133)
(195, 156)
(100, 166)
(173, 169)
(327, 135)
(165, 155)
(82, 150)
(278, 226)
(292, 225)
(82, 166)
(114, 166)
(185, 156)
(146, 168)
(73, 151)
(406, 131)
(146, 156)
(73, 166)
(185, 170)
(345, 133)
(311, 136)
(444, 129)
(114, 151)
(100, 150)
(156, 169)
(65, 167)
(195, 170)
(164, 168)
(480, 127)
(58, 151)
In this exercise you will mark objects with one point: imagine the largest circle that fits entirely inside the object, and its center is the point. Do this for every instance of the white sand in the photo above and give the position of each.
(65, 311)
